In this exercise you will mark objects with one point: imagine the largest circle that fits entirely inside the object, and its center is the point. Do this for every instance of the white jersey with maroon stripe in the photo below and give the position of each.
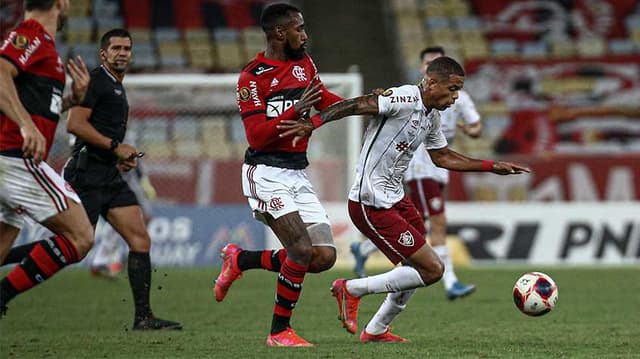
(421, 165)
(389, 144)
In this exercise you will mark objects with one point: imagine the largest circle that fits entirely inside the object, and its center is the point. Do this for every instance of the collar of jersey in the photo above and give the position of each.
(32, 23)
(273, 62)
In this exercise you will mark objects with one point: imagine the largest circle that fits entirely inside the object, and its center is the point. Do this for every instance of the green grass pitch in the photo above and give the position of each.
(77, 316)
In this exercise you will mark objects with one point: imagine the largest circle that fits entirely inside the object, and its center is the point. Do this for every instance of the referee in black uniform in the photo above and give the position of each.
(99, 156)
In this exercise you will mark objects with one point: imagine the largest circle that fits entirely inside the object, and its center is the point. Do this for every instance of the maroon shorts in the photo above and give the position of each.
(398, 231)
(426, 195)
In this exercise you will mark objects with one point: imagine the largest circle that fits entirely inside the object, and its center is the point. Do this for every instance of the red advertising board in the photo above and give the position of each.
(555, 178)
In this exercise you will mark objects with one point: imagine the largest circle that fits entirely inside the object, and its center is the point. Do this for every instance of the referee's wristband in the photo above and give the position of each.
(114, 144)
(486, 166)
(316, 121)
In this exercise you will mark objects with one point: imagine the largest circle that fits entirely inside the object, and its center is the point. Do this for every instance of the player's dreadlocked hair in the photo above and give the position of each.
(276, 14)
(30, 5)
(443, 67)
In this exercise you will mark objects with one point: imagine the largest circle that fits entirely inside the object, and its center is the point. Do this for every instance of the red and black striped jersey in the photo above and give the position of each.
(40, 83)
(267, 90)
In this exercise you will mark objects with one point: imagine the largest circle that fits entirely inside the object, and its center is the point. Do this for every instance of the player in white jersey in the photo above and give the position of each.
(405, 117)
(427, 182)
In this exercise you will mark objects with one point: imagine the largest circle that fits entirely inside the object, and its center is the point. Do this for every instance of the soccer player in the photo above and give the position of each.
(98, 158)
(31, 100)
(281, 84)
(427, 183)
(406, 116)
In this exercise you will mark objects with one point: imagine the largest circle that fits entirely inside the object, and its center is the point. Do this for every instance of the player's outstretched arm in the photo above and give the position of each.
(452, 160)
(33, 142)
(363, 105)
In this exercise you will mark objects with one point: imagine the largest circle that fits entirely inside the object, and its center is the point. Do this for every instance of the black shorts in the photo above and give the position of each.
(99, 200)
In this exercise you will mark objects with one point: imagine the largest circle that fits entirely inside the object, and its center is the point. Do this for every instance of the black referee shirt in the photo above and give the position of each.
(91, 166)
(110, 111)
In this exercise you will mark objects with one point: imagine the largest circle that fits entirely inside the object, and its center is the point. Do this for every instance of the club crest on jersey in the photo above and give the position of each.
(387, 92)
(276, 204)
(436, 203)
(406, 239)
(20, 42)
(244, 94)
(298, 73)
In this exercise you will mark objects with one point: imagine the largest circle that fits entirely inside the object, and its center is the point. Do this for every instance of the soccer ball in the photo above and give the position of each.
(535, 294)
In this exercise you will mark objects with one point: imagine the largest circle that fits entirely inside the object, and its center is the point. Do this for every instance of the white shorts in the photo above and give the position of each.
(35, 190)
(279, 191)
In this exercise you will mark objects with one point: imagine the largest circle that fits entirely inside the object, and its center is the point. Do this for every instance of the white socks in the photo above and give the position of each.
(393, 305)
(367, 247)
(396, 280)
(449, 277)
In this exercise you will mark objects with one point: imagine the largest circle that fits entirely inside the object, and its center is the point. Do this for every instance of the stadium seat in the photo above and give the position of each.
(79, 30)
(593, 46)
(199, 48)
(144, 55)
(504, 48)
(253, 39)
(457, 8)
(88, 52)
(106, 23)
(464, 23)
(404, 6)
(621, 46)
(229, 53)
(563, 48)
(79, 8)
(535, 49)
(170, 47)
(105, 8)
(436, 22)
(140, 35)
(435, 9)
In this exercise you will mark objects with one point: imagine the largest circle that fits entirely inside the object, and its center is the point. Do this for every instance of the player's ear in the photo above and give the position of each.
(280, 32)
(102, 54)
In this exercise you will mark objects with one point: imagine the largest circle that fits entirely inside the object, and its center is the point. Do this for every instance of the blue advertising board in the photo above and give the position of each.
(185, 236)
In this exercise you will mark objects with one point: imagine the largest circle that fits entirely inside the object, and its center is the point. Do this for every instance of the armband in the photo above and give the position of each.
(486, 166)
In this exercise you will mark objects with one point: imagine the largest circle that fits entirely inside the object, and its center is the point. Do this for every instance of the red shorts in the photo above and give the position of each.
(426, 195)
(398, 231)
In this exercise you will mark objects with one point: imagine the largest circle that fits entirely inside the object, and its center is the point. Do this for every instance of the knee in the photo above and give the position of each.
(323, 259)
(433, 272)
(139, 242)
(83, 240)
(300, 252)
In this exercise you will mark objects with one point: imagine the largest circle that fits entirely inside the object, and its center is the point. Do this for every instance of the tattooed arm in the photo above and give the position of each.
(363, 105)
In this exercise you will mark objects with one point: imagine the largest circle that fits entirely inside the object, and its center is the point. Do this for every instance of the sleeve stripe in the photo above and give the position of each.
(249, 114)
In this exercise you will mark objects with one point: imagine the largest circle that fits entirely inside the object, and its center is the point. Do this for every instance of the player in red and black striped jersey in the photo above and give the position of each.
(281, 83)
(31, 100)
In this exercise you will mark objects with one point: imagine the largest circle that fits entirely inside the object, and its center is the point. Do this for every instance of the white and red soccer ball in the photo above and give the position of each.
(535, 294)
